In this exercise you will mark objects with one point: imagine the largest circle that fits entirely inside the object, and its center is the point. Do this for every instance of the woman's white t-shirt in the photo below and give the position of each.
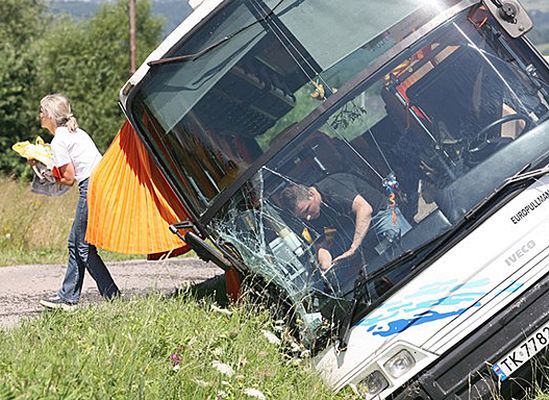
(77, 148)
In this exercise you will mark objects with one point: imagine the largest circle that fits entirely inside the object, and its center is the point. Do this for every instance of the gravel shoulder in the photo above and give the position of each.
(22, 286)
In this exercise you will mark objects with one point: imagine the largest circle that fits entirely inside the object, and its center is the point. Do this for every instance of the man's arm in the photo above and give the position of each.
(363, 216)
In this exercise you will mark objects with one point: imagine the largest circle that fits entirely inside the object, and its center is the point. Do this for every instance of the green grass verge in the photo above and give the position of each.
(19, 256)
(154, 348)
(123, 350)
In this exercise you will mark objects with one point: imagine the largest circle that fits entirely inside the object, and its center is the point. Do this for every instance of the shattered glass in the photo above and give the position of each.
(352, 180)
(419, 166)
(254, 227)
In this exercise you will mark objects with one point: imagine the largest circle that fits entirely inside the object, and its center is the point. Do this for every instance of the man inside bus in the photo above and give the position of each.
(341, 208)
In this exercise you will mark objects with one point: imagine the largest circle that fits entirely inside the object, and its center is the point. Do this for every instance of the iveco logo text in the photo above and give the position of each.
(520, 252)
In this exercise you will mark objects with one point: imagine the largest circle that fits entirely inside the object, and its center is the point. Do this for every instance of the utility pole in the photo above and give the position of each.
(133, 33)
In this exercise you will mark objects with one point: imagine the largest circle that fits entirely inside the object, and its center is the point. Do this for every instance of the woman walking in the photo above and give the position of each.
(75, 157)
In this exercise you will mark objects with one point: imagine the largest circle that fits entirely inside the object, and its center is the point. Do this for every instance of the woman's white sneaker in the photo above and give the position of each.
(57, 303)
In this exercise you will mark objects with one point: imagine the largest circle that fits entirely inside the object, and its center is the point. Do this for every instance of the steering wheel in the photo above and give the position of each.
(483, 136)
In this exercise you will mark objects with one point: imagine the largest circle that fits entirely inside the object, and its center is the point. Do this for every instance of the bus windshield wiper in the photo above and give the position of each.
(361, 282)
(519, 178)
(197, 55)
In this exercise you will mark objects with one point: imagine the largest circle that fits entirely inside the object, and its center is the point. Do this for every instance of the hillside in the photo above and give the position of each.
(172, 11)
(539, 11)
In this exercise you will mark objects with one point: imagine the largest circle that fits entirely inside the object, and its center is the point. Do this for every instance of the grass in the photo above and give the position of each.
(154, 349)
(122, 349)
(34, 228)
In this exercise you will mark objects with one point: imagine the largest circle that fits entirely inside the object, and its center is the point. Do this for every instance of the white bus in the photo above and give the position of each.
(380, 167)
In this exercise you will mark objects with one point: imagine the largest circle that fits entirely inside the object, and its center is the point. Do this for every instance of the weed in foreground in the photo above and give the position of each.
(152, 348)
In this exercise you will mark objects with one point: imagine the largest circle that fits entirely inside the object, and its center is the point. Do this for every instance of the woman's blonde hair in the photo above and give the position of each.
(57, 107)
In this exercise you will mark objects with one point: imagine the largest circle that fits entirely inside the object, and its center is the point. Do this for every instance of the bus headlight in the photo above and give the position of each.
(373, 384)
(400, 363)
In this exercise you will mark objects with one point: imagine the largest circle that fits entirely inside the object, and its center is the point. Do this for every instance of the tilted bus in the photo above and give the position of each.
(438, 106)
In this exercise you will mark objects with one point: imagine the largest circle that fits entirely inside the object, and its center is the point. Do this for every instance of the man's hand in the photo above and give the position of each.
(349, 253)
(32, 162)
(324, 259)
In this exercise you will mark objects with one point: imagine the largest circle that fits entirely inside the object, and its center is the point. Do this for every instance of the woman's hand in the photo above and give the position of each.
(67, 174)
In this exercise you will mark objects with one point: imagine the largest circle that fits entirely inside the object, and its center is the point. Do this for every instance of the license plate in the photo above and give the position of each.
(522, 353)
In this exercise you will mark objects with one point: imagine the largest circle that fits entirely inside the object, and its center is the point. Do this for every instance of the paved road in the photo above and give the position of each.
(22, 286)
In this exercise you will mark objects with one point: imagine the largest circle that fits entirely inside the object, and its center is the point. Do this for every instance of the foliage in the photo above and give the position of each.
(20, 24)
(19, 21)
(154, 348)
(87, 60)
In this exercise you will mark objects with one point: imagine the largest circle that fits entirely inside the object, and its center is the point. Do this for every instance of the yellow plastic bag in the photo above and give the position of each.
(39, 150)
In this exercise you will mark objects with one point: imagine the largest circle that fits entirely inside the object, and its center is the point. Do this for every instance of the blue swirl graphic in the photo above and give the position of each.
(422, 312)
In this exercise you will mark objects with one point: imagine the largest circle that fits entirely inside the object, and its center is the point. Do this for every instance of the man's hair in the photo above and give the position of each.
(292, 194)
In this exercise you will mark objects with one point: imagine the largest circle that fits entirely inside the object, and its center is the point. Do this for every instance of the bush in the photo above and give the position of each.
(86, 60)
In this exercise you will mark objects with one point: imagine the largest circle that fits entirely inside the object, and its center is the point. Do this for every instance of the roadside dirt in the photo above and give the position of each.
(22, 286)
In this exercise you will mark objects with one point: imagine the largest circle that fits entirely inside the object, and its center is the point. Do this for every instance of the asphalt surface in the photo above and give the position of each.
(23, 286)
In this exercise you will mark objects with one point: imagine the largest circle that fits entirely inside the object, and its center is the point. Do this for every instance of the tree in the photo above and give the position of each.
(20, 25)
(88, 62)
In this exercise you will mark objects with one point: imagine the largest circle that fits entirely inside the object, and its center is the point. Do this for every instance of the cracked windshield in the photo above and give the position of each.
(338, 194)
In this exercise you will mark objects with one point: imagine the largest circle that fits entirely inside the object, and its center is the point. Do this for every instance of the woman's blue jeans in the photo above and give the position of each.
(82, 256)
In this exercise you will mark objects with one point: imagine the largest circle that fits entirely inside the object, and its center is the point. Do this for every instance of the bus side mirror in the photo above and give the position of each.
(511, 15)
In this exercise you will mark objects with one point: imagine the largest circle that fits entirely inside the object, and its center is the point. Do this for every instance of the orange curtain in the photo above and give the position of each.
(130, 203)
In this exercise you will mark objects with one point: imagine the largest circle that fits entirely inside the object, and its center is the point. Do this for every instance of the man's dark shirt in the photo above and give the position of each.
(336, 222)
